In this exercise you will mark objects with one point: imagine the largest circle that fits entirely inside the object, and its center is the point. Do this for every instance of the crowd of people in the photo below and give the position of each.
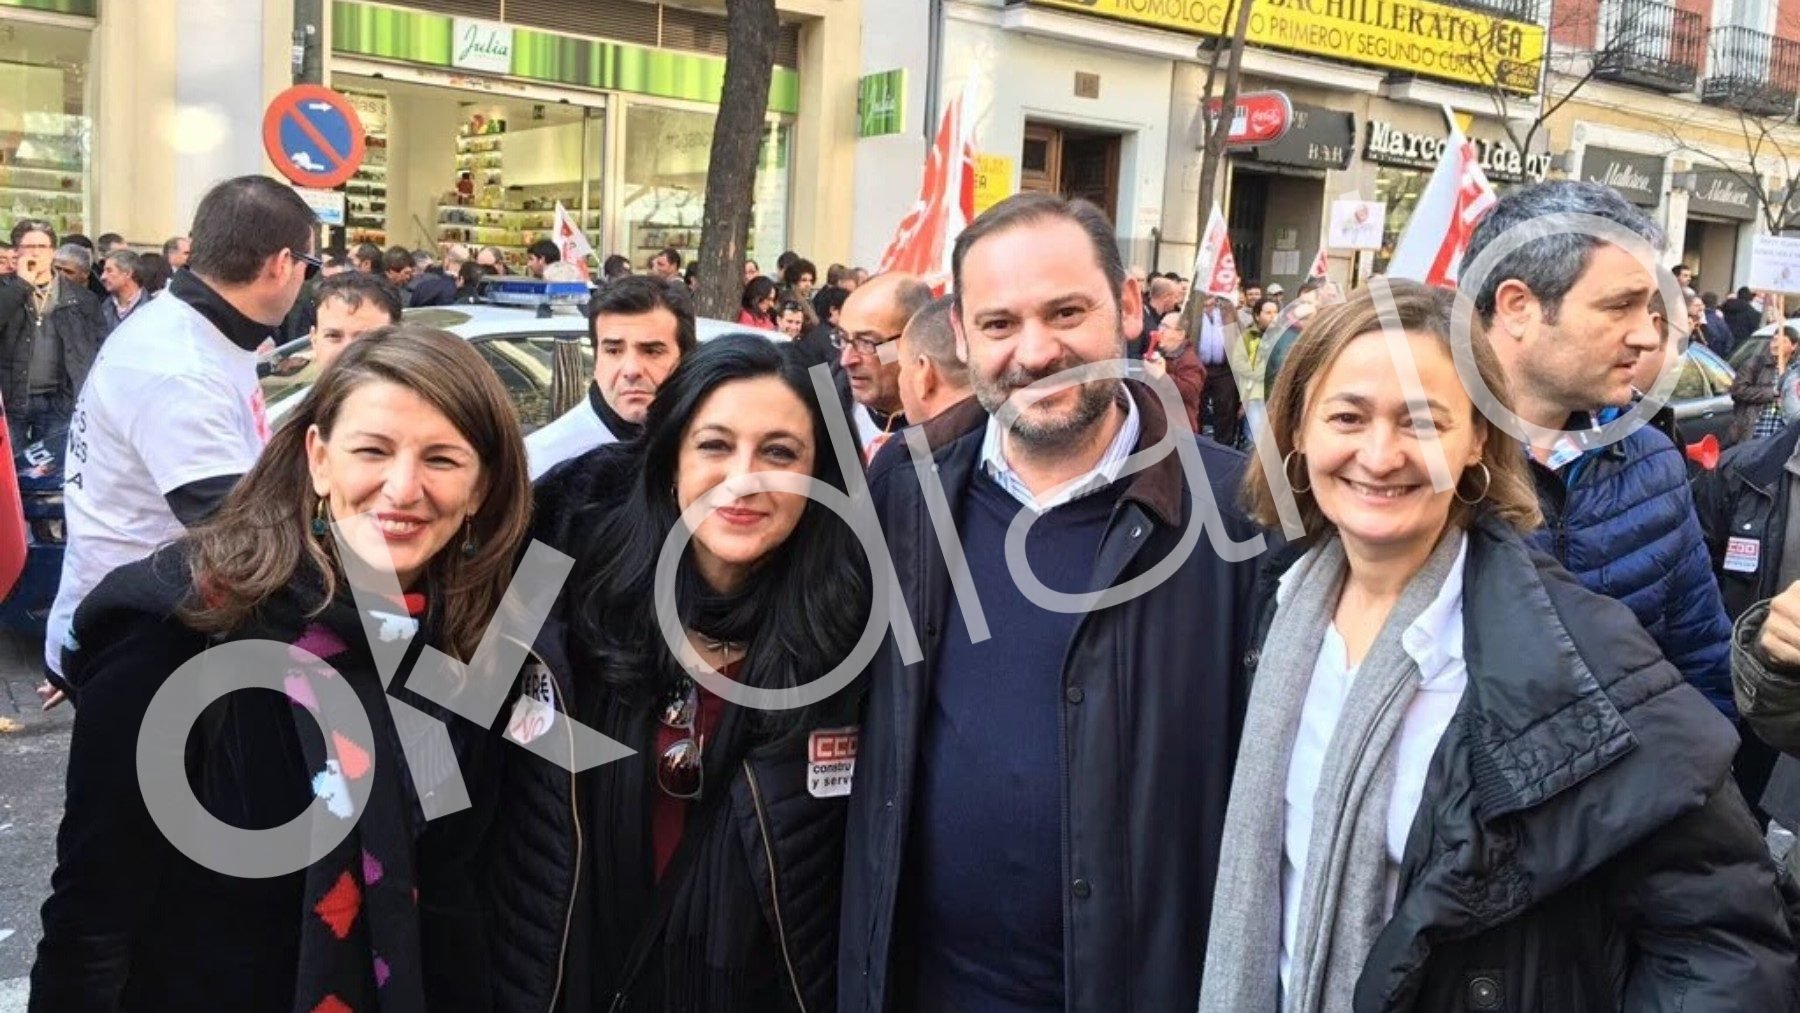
(1394, 712)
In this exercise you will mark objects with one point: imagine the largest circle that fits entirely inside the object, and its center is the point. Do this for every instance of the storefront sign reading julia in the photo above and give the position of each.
(1499, 160)
(481, 45)
(1415, 36)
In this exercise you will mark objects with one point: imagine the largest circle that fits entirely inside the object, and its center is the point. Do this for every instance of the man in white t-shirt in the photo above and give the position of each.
(172, 414)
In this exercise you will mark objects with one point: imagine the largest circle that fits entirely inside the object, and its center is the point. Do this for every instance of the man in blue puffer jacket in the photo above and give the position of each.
(1568, 313)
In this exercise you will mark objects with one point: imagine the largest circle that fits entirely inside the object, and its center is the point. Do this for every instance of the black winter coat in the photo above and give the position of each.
(1151, 714)
(1580, 846)
(132, 924)
(73, 320)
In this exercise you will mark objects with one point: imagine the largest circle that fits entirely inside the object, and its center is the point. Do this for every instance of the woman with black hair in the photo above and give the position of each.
(700, 873)
(758, 304)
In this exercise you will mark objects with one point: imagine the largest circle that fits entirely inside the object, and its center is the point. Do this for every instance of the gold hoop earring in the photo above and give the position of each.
(1287, 471)
(1486, 484)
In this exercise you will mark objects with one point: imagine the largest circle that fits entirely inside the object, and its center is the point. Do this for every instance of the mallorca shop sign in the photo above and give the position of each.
(1414, 36)
(1723, 195)
(1499, 160)
(482, 45)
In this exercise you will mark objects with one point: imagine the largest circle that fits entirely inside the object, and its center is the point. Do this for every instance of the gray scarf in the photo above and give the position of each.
(1344, 903)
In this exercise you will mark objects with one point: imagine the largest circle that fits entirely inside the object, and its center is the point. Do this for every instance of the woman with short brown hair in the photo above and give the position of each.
(1466, 782)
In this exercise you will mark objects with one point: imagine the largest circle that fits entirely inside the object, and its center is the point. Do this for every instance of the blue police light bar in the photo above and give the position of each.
(503, 290)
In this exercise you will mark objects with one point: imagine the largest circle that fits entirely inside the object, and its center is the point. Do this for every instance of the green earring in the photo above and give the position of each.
(319, 526)
(470, 544)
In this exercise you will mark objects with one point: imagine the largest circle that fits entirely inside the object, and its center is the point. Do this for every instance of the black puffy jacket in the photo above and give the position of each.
(791, 842)
(1580, 846)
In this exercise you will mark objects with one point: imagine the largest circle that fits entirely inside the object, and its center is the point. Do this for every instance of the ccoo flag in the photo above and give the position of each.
(1458, 194)
(1215, 267)
(926, 236)
(570, 240)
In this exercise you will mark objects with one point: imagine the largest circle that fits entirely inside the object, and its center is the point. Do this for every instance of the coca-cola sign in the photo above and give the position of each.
(1638, 178)
(1262, 117)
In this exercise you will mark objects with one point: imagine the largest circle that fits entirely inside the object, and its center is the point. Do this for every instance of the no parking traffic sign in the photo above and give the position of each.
(313, 136)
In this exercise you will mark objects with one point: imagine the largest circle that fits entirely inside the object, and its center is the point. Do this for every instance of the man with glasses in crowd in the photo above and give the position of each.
(173, 413)
(874, 315)
(50, 331)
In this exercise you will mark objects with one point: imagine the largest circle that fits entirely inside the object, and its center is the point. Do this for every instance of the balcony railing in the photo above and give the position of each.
(1517, 10)
(1650, 44)
(1753, 71)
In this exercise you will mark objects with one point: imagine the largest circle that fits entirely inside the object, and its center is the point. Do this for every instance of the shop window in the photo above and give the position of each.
(45, 133)
(1400, 188)
(666, 154)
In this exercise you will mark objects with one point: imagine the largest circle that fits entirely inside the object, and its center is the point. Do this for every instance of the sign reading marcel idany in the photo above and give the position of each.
(1416, 36)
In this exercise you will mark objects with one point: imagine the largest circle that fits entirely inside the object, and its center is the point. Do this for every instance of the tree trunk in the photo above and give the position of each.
(750, 32)
(1213, 155)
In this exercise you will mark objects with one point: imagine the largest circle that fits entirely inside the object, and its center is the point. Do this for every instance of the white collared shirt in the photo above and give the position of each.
(1435, 643)
(1104, 473)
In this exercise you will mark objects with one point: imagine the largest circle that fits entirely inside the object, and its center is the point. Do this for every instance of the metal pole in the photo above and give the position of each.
(309, 27)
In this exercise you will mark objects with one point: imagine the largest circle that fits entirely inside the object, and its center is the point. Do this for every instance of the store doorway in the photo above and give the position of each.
(1710, 248)
(1273, 222)
(1072, 163)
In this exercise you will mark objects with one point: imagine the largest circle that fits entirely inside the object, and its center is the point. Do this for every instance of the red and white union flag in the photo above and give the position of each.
(927, 235)
(1215, 264)
(1457, 195)
(570, 239)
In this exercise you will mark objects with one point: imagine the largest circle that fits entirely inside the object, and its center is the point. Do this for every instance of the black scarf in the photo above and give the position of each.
(359, 936)
(622, 430)
(242, 331)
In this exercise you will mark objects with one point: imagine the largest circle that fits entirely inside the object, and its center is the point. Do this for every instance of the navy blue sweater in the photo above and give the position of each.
(986, 853)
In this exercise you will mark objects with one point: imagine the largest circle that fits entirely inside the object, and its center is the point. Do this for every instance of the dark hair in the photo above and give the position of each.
(1252, 283)
(1710, 300)
(1031, 208)
(353, 288)
(171, 245)
(1744, 292)
(756, 290)
(153, 273)
(801, 609)
(260, 541)
(691, 272)
(107, 239)
(469, 275)
(1256, 311)
(77, 239)
(635, 295)
(791, 273)
(26, 226)
(367, 253)
(337, 260)
(930, 333)
(397, 258)
(1551, 265)
(827, 301)
(544, 250)
(1681, 267)
(670, 254)
(834, 274)
(243, 222)
(787, 257)
(1417, 309)
(616, 266)
(790, 306)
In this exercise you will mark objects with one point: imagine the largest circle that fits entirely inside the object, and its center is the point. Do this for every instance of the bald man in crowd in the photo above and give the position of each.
(1162, 298)
(932, 379)
(874, 315)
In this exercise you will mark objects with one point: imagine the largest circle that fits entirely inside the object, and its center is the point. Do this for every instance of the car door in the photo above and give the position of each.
(1702, 395)
(526, 366)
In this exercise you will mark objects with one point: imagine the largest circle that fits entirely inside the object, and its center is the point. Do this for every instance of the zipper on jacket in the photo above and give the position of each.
(762, 824)
(562, 950)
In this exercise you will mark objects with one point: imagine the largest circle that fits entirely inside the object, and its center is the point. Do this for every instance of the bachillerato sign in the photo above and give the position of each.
(1415, 36)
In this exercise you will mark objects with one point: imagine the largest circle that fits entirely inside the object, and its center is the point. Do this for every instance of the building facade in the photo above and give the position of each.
(480, 115)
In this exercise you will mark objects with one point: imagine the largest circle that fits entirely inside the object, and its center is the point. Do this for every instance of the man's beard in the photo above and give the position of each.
(1092, 401)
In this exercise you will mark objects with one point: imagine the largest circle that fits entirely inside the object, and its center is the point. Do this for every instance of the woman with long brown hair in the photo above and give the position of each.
(389, 509)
